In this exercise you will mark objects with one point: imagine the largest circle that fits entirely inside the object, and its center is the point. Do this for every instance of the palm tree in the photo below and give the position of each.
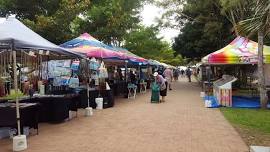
(236, 11)
(258, 23)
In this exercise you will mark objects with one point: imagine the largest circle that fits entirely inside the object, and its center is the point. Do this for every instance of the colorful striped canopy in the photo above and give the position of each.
(88, 45)
(240, 51)
(131, 56)
(91, 47)
(85, 40)
(154, 62)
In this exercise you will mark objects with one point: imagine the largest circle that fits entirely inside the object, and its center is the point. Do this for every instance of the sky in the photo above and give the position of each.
(149, 14)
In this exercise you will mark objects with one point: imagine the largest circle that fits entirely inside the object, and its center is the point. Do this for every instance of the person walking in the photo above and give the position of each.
(182, 72)
(162, 85)
(168, 74)
(176, 73)
(189, 73)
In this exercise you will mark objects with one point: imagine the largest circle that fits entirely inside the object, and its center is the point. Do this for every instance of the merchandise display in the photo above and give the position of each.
(223, 90)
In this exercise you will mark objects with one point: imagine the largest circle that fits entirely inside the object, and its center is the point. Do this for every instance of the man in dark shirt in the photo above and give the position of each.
(188, 73)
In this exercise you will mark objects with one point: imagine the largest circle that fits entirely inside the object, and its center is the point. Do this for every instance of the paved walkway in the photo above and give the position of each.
(181, 124)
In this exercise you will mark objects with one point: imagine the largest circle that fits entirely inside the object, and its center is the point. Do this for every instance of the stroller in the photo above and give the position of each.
(155, 93)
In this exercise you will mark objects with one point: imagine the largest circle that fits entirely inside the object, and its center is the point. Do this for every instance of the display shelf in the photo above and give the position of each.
(222, 90)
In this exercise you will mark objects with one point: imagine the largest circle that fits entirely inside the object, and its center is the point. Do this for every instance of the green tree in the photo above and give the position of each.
(204, 29)
(52, 19)
(145, 43)
(236, 11)
(239, 10)
(28, 9)
(110, 20)
(61, 20)
(258, 23)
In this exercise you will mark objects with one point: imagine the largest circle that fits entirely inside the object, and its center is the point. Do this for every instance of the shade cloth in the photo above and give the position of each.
(133, 58)
(240, 51)
(85, 39)
(154, 62)
(13, 31)
(104, 53)
(91, 47)
(88, 45)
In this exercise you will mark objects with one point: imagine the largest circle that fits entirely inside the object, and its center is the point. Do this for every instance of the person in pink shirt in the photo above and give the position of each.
(162, 85)
(168, 74)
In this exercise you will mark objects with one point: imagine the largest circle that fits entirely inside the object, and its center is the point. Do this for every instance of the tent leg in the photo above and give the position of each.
(19, 142)
(16, 91)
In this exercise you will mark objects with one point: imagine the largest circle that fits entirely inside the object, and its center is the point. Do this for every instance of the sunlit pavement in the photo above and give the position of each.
(181, 124)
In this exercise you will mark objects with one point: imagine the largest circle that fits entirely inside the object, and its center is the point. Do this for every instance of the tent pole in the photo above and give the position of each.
(88, 81)
(139, 72)
(16, 87)
(126, 68)
(41, 67)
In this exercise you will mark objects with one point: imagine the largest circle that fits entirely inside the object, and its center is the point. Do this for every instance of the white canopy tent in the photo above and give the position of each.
(15, 36)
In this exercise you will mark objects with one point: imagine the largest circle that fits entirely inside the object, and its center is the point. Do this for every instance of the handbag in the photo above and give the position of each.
(163, 86)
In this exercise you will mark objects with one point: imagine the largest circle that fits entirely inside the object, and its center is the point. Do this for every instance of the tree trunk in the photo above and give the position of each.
(263, 97)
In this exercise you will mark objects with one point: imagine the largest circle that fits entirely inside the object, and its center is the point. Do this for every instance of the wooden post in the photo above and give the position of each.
(261, 78)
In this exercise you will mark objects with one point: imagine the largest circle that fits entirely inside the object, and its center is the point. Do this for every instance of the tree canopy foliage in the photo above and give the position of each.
(110, 20)
(205, 25)
(257, 20)
(204, 28)
(60, 20)
(115, 22)
(144, 42)
(50, 18)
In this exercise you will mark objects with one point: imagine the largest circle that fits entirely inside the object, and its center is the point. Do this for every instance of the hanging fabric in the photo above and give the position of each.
(103, 73)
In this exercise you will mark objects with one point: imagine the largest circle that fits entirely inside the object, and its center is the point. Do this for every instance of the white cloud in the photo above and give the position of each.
(149, 15)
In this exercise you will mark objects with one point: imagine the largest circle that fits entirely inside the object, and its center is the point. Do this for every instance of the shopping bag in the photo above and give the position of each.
(155, 93)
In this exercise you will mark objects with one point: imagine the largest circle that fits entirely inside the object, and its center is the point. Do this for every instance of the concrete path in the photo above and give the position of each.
(181, 124)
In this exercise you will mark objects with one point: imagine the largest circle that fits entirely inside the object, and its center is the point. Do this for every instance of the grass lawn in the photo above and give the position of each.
(252, 124)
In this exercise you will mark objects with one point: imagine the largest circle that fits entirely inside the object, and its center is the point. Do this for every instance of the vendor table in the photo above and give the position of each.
(28, 113)
(107, 95)
(54, 108)
(119, 88)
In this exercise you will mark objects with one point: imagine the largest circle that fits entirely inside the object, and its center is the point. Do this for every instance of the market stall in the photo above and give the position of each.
(119, 63)
(100, 60)
(22, 53)
(237, 59)
(240, 51)
(140, 67)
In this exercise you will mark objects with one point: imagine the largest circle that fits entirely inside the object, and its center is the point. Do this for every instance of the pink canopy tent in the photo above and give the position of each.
(98, 52)
(240, 51)
(89, 46)
(131, 56)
